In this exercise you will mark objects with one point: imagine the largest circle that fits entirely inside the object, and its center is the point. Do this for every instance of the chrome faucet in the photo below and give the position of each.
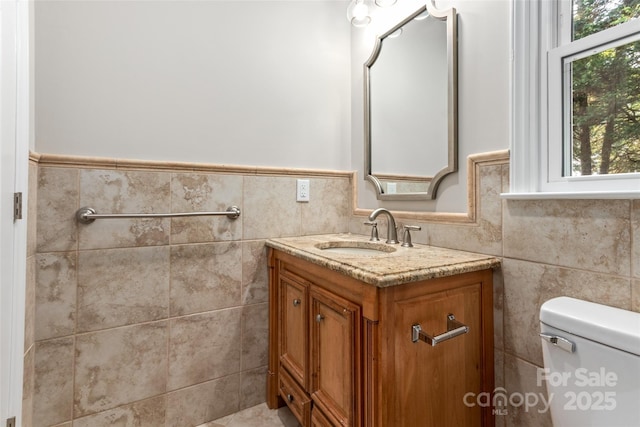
(392, 234)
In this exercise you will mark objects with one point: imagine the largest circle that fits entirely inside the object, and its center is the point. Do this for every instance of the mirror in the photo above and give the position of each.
(411, 106)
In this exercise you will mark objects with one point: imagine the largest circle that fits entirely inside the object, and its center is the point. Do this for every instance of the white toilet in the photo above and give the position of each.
(591, 363)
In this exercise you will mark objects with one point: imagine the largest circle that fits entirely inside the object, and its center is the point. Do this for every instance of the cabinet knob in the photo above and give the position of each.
(319, 318)
(296, 302)
(289, 398)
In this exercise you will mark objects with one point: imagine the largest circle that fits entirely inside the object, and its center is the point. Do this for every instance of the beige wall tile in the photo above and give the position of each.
(205, 277)
(56, 283)
(255, 274)
(635, 238)
(32, 210)
(498, 309)
(204, 402)
(119, 366)
(146, 413)
(205, 192)
(635, 295)
(528, 285)
(587, 234)
(270, 207)
(30, 303)
(499, 383)
(485, 236)
(28, 378)
(110, 191)
(255, 335)
(203, 347)
(57, 203)
(521, 377)
(122, 286)
(253, 384)
(328, 209)
(53, 382)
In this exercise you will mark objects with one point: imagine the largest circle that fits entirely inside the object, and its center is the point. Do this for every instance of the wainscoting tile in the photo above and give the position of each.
(329, 207)
(255, 335)
(146, 413)
(120, 366)
(122, 286)
(192, 192)
(498, 309)
(635, 238)
(28, 379)
(270, 207)
(30, 303)
(57, 202)
(56, 284)
(255, 274)
(204, 402)
(528, 285)
(203, 347)
(521, 377)
(32, 210)
(486, 236)
(253, 384)
(110, 191)
(635, 295)
(53, 385)
(587, 234)
(205, 277)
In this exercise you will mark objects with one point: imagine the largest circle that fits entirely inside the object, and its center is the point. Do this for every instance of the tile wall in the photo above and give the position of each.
(587, 249)
(161, 322)
(156, 322)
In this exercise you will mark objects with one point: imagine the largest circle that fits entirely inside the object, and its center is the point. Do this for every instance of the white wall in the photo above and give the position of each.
(275, 83)
(228, 82)
(483, 92)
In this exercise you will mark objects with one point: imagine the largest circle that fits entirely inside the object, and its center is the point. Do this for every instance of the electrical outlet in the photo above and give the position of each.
(302, 194)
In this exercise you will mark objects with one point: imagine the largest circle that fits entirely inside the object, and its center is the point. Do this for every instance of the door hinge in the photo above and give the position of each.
(17, 206)
(11, 422)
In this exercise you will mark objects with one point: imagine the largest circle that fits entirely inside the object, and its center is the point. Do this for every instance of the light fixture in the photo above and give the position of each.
(385, 3)
(358, 13)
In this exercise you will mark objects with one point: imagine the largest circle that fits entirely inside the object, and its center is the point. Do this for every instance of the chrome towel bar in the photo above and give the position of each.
(454, 328)
(87, 215)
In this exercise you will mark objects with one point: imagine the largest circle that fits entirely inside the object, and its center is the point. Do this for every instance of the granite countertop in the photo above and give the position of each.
(403, 265)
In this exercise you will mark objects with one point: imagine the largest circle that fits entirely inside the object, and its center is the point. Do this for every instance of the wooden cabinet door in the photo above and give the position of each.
(294, 329)
(318, 419)
(431, 381)
(335, 357)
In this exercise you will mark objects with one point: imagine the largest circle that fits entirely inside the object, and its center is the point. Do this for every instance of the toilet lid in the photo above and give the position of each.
(610, 326)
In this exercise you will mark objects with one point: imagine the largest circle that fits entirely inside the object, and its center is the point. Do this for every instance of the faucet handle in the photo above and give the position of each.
(374, 230)
(406, 237)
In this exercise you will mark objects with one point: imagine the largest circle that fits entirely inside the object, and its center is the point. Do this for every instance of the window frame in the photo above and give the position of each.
(537, 113)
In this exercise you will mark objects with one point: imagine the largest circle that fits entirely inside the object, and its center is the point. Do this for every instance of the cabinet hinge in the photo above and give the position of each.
(11, 422)
(17, 206)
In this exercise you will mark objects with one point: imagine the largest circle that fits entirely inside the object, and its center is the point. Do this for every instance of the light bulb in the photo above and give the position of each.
(358, 13)
(385, 3)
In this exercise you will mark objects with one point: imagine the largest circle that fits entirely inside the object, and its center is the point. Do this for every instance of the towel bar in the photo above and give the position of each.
(87, 215)
(454, 328)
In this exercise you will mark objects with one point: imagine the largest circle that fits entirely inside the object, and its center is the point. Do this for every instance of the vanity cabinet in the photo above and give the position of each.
(342, 351)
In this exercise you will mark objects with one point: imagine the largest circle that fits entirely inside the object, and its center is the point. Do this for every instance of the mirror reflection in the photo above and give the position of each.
(410, 103)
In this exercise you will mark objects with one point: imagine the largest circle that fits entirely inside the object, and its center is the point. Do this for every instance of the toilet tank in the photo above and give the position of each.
(591, 363)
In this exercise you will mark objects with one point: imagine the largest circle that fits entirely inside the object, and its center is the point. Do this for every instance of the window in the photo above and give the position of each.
(576, 103)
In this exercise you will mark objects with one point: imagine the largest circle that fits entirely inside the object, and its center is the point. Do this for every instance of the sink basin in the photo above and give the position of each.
(355, 248)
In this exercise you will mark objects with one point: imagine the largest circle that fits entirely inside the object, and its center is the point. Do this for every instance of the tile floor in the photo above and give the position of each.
(257, 416)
